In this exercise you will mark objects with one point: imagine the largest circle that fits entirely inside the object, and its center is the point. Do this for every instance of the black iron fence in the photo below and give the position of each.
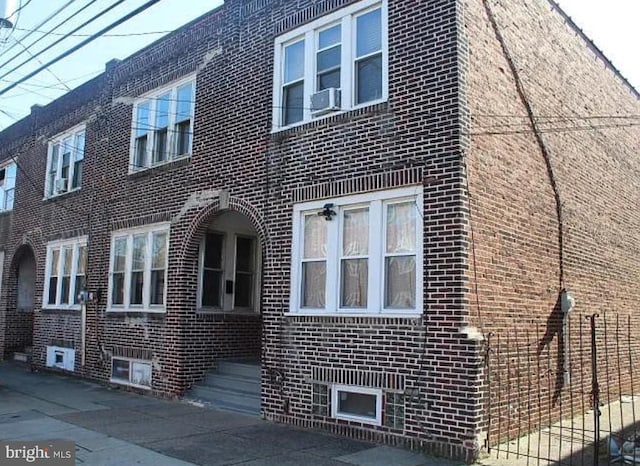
(565, 392)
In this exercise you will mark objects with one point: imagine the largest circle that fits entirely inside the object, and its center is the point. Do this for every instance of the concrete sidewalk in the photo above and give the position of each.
(113, 427)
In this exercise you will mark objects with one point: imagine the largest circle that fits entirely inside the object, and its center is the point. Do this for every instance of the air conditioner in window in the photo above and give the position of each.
(61, 185)
(327, 100)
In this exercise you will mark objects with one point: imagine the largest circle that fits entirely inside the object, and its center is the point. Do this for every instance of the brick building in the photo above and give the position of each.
(350, 192)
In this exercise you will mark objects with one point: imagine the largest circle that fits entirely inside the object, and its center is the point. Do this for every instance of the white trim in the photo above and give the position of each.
(346, 17)
(151, 98)
(5, 187)
(128, 381)
(74, 133)
(128, 234)
(377, 392)
(376, 202)
(61, 245)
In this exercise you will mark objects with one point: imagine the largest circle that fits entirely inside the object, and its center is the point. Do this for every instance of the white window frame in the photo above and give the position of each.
(8, 185)
(128, 381)
(309, 32)
(377, 392)
(377, 239)
(76, 244)
(128, 234)
(77, 154)
(152, 98)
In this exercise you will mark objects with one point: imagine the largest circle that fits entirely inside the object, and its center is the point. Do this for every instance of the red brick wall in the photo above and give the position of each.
(587, 149)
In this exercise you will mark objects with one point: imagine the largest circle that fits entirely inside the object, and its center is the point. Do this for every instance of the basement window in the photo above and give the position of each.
(132, 372)
(353, 403)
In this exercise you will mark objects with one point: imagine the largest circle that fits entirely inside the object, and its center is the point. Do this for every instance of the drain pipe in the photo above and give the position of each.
(567, 303)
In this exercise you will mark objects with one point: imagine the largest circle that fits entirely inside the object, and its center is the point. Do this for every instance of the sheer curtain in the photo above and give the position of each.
(355, 264)
(314, 262)
(400, 260)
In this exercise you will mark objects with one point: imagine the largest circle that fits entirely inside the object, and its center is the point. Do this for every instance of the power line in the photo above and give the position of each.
(50, 46)
(26, 49)
(82, 44)
(45, 21)
(130, 34)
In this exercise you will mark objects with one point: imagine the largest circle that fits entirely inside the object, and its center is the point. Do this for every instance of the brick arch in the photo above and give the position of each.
(194, 227)
(18, 329)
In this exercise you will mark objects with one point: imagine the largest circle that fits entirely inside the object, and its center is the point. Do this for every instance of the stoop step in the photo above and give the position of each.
(234, 386)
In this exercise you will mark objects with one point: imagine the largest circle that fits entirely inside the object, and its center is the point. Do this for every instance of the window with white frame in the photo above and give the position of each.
(163, 125)
(132, 372)
(359, 254)
(337, 62)
(7, 186)
(65, 161)
(354, 403)
(138, 269)
(65, 273)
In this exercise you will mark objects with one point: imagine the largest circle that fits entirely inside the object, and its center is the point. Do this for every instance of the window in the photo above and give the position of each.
(229, 255)
(132, 372)
(163, 126)
(137, 279)
(65, 161)
(337, 62)
(7, 186)
(366, 259)
(65, 274)
(353, 403)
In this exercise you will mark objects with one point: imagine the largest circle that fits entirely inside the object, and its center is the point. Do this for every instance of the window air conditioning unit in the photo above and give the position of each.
(327, 100)
(61, 185)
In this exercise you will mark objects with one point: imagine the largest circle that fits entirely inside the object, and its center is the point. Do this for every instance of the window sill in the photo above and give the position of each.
(55, 197)
(381, 315)
(369, 107)
(244, 312)
(136, 311)
(74, 308)
(126, 383)
(161, 167)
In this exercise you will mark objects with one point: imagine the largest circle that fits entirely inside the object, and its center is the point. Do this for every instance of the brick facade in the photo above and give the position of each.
(488, 208)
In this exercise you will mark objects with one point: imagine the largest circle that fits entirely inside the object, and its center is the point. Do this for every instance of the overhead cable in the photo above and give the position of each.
(125, 18)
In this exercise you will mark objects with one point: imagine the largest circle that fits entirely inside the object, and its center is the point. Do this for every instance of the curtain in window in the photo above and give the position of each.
(314, 265)
(355, 268)
(400, 260)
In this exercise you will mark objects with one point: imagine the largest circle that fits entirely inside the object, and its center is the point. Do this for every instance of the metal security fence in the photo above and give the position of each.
(565, 392)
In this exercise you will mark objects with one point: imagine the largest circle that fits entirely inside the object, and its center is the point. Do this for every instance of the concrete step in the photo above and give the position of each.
(251, 370)
(218, 397)
(249, 385)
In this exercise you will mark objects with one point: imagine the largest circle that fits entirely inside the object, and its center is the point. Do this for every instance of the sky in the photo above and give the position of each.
(611, 24)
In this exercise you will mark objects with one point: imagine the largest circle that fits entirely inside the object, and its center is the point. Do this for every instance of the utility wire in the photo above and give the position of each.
(129, 34)
(45, 21)
(50, 46)
(26, 49)
(81, 44)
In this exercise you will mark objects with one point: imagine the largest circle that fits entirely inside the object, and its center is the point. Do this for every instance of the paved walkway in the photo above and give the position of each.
(113, 427)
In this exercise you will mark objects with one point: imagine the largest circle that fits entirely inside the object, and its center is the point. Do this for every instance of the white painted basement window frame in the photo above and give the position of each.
(65, 161)
(162, 125)
(136, 367)
(328, 298)
(66, 267)
(336, 413)
(308, 40)
(122, 268)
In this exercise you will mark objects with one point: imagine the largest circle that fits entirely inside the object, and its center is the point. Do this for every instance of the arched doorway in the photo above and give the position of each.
(229, 266)
(20, 303)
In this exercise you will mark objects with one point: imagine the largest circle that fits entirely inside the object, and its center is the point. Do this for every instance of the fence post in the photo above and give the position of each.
(595, 389)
